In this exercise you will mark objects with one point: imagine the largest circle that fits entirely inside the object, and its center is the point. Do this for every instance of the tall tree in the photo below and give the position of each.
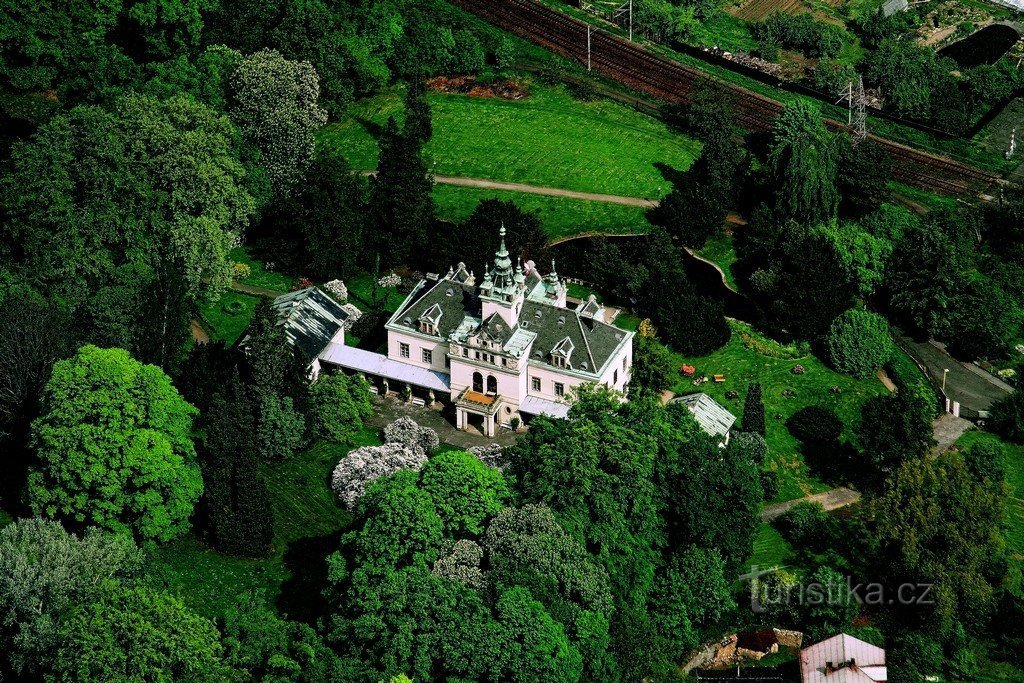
(401, 203)
(236, 499)
(938, 523)
(132, 264)
(130, 632)
(418, 125)
(45, 572)
(753, 410)
(892, 430)
(275, 106)
(802, 164)
(114, 447)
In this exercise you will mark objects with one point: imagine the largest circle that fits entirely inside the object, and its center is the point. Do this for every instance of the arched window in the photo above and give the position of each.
(492, 384)
(478, 383)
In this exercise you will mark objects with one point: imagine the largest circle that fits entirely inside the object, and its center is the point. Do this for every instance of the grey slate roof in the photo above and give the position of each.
(454, 299)
(593, 341)
(310, 319)
(711, 415)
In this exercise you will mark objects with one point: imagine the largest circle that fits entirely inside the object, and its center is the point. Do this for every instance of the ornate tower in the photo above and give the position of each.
(502, 290)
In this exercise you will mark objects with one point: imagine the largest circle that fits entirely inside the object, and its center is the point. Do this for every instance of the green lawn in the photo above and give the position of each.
(1015, 479)
(560, 216)
(261, 277)
(721, 251)
(227, 322)
(770, 548)
(304, 508)
(360, 293)
(546, 139)
(742, 365)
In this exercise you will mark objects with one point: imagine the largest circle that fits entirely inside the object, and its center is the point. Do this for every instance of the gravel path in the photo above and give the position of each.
(830, 500)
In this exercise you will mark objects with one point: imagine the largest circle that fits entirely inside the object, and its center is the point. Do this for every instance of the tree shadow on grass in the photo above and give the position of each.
(669, 173)
(372, 127)
(302, 595)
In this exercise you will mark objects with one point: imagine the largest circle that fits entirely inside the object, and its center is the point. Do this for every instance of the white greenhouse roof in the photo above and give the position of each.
(711, 415)
(351, 358)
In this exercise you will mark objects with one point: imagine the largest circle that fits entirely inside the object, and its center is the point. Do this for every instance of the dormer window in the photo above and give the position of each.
(561, 355)
(428, 322)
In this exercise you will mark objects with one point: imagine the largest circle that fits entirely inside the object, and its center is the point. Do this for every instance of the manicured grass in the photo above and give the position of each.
(742, 365)
(208, 581)
(304, 504)
(720, 250)
(1015, 481)
(559, 216)
(770, 548)
(261, 277)
(547, 139)
(627, 321)
(360, 293)
(228, 326)
(304, 507)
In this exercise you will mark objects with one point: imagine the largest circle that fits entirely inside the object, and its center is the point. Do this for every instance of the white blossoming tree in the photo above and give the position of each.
(405, 431)
(366, 464)
(338, 290)
(462, 564)
(492, 455)
(276, 109)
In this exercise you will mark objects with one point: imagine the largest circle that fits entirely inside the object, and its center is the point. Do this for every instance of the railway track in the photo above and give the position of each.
(632, 65)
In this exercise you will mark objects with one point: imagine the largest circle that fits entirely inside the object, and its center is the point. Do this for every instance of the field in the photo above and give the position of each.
(548, 139)
(559, 216)
(742, 365)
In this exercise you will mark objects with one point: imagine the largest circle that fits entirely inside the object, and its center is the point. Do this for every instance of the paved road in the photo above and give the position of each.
(972, 387)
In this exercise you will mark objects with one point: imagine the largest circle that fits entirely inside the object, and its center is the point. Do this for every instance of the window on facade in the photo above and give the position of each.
(403, 350)
(536, 383)
(426, 328)
(559, 389)
(615, 377)
(428, 356)
(492, 385)
(623, 363)
(465, 353)
(478, 355)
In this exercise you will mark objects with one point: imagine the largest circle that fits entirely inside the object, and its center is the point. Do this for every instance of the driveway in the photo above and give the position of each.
(970, 386)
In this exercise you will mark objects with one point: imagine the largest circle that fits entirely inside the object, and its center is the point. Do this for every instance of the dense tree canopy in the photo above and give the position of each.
(114, 447)
(128, 266)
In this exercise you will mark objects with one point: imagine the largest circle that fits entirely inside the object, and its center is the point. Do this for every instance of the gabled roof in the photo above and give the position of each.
(852, 661)
(310, 319)
(454, 299)
(711, 415)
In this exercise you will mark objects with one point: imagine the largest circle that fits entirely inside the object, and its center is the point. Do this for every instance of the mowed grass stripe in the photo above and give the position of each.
(559, 216)
(547, 139)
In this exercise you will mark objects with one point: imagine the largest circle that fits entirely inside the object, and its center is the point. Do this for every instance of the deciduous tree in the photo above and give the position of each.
(114, 447)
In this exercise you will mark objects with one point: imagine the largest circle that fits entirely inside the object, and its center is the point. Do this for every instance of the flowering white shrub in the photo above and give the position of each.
(366, 464)
(462, 564)
(354, 314)
(337, 289)
(491, 455)
(405, 431)
(391, 280)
